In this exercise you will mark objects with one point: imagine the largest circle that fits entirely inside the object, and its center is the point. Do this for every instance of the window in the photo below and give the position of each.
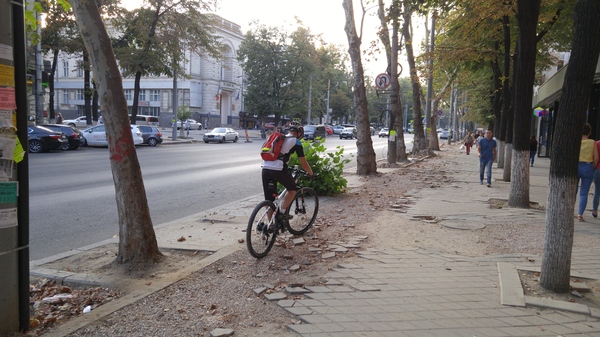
(79, 95)
(128, 94)
(154, 95)
(65, 94)
(79, 72)
(65, 68)
(142, 96)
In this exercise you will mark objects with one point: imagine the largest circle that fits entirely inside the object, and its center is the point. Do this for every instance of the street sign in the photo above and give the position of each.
(382, 81)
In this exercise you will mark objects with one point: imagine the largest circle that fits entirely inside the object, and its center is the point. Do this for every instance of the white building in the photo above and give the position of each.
(211, 89)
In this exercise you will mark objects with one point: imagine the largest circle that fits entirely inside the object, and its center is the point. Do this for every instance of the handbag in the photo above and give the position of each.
(462, 147)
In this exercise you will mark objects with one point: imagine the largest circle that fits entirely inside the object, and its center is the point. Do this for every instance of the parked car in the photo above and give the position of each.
(314, 132)
(221, 135)
(385, 132)
(337, 129)
(348, 133)
(42, 139)
(151, 135)
(73, 134)
(194, 124)
(96, 136)
(444, 134)
(79, 122)
(329, 130)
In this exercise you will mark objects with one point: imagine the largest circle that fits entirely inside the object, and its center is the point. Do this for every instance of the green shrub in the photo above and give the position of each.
(327, 166)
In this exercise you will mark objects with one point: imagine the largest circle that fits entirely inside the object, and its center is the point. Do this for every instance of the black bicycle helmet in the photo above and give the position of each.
(298, 129)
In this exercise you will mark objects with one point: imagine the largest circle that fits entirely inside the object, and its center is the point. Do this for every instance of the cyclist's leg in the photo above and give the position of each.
(261, 231)
(304, 210)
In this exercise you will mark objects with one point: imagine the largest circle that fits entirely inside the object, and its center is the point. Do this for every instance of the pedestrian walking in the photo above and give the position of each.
(59, 118)
(487, 155)
(468, 141)
(187, 128)
(533, 144)
(588, 160)
(596, 199)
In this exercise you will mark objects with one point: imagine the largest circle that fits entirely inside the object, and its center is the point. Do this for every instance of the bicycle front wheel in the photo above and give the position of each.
(304, 208)
(261, 231)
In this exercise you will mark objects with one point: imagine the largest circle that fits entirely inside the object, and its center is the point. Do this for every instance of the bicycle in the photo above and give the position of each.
(263, 226)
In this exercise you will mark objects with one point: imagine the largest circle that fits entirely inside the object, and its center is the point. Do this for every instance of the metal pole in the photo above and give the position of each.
(39, 64)
(327, 108)
(309, 100)
(175, 107)
(430, 79)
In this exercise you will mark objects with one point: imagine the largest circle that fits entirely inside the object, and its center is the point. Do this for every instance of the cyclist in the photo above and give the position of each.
(277, 170)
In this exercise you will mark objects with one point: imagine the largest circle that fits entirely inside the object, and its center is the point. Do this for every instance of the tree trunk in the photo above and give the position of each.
(51, 85)
(434, 143)
(507, 161)
(527, 16)
(501, 146)
(505, 92)
(420, 142)
(87, 93)
(137, 240)
(365, 157)
(574, 101)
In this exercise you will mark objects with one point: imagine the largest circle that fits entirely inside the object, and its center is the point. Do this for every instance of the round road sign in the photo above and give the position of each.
(382, 81)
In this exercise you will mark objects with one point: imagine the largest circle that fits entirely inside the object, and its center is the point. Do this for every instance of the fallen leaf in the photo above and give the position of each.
(181, 239)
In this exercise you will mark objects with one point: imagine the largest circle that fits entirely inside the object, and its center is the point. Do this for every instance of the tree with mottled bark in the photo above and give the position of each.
(396, 145)
(420, 143)
(528, 12)
(574, 101)
(137, 240)
(365, 158)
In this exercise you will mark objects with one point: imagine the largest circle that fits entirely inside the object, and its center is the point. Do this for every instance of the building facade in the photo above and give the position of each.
(210, 88)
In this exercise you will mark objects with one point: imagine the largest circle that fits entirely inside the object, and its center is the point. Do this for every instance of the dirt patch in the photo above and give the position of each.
(585, 291)
(101, 262)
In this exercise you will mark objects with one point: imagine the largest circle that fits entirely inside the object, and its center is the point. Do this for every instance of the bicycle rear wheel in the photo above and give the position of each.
(304, 208)
(261, 232)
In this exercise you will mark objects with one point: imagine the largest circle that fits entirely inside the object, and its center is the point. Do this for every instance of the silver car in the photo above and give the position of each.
(96, 136)
(221, 135)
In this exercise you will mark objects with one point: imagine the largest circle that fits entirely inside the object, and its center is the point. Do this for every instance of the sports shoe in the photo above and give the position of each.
(489, 185)
(595, 214)
(281, 216)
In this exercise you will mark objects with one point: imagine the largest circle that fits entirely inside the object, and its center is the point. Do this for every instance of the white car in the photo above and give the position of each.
(96, 136)
(78, 122)
(194, 125)
(221, 135)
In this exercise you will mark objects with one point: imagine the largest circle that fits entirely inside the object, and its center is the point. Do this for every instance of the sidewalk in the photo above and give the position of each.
(402, 292)
(415, 292)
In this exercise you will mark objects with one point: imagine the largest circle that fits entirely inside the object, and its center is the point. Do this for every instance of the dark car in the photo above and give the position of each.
(42, 139)
(314, 132)
(151, 135)
(73, 134)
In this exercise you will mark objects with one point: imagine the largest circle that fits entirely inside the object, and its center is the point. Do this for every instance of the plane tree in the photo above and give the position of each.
(154, 39)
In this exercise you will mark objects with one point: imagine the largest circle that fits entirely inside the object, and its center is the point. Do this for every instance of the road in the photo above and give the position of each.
(72, 197)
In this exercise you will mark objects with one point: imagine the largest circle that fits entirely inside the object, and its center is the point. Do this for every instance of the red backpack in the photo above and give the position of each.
(271, 149)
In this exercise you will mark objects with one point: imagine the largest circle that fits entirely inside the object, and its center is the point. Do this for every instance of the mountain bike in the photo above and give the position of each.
(263, 226)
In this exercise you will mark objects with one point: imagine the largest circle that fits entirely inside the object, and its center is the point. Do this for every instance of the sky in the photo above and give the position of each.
(324, 17)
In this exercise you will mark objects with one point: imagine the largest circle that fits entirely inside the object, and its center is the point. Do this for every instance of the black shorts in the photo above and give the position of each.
(283, 177)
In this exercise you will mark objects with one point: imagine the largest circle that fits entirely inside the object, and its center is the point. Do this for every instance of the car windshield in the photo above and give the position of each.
(310, 128)
(219, 130)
